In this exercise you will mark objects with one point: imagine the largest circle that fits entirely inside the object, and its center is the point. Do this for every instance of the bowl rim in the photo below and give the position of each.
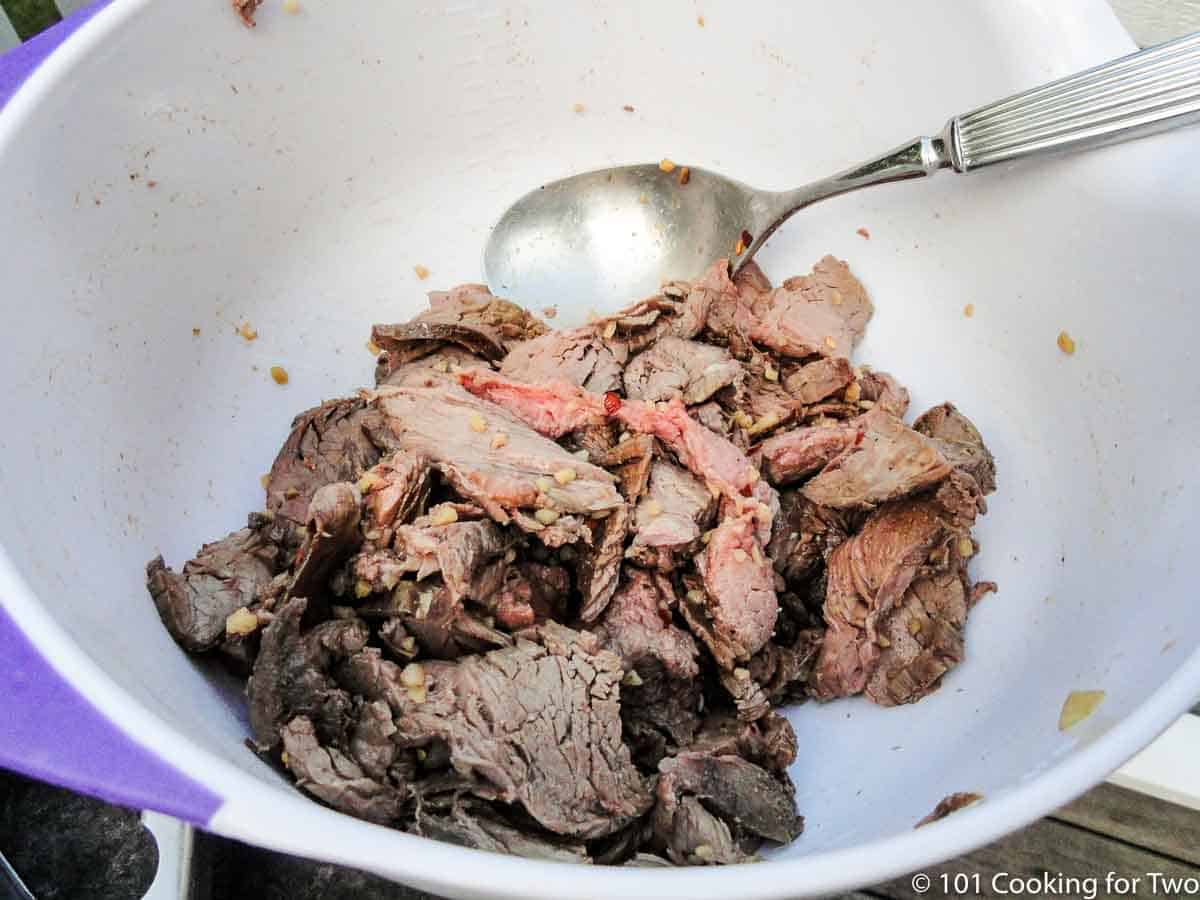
(279, 818)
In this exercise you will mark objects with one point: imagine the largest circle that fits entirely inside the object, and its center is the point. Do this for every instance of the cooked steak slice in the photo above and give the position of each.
(600, 568)
(579, 356)
(637, 626)
(738, 603)
(749, 698)
(225, 576)
(882, 390)
(458, 550)
(890, 461)
(960, 443)
(332, 535)
(823, 313)
(694, 788)
(396, 490)
(483, 827)
(329, 443)
(769, 741)
(783, 669)
(679, 310)
(371, 744)
(670, 518)
(630, 460)
(531, 593)
(660, 714)
(798, 453)
(290, 679)
(869, 574)
(467, 315)
(804, 535)
(711, 416)
(490, 456)
(334, 778)
(536, 724)
(815, 381)
(673, 367)
(436, 618)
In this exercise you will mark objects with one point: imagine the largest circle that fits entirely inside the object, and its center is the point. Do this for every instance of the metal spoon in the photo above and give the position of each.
(615, 235)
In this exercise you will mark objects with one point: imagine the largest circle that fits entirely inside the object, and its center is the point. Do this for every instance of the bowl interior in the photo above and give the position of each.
(188, 173)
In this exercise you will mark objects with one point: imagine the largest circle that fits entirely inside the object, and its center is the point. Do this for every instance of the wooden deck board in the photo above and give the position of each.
(1138, 820)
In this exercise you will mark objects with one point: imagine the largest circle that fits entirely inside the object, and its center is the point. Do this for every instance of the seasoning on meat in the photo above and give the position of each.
(728, 513)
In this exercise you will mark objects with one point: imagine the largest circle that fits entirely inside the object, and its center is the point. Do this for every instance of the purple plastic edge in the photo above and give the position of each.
(19, 63)
(49, 731)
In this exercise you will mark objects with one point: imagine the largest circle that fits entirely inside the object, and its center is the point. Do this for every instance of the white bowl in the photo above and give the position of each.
(301, 169)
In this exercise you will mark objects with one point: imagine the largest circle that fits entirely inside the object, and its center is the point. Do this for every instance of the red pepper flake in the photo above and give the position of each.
(746, 490)
(627, 108)
(863, 233)
(685, 174)
(858, 438)
(612, 403)
(747, 238)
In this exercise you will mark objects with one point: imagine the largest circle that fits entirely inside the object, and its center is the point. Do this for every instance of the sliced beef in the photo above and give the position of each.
(748, 696)
(398, 367)
(630, 460)
(883, 392)
(668, 522)
(711, 416)
(332, 535)
(396, 490)
(815, 381)
(458, 550)
(679, 310)
(676, 368)
(579, 356)
(531, 593)
(960, 443)
(869, 574)
(468, 316)
(796, 454)
(890, 461)
(290, 675)
(600, 568)
(751, 280)
(705, 803)
(334, 778)
(329, 443)
(371, 744)
(491, 457)
(483, 827)
(783, 669)
(737, 608)
(660, 713)
(225, 576)
(435, 616)
(769, 741)
(537, 724)
(637, 626)
(822, 313)
(804, 535)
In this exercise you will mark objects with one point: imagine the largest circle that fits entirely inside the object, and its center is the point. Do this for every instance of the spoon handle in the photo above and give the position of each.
(1143, 93)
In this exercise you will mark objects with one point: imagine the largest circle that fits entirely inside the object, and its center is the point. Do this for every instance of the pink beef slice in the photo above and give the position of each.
(600, 568)
(885, 392)
(637, 626)
(676, 368)
(490, 456)
(869, 574)
(796, 454)
(679, 310)
(467, 316)
(738, 612)
(822, 313)
(555, 409)
(537, 724)
(960, 442)
(457, 550)
(396, 367)
(669, 520)
(396, 490)
(890, 461)
(329, 443)
(579, 356)
(819, 379)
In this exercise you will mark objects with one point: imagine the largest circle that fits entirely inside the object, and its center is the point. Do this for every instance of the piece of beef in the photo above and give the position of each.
(783, 669)
(737, 608)
(334, 778)
(225, 576)
(679, 310)
(869, 574)
(711, 416)
(579, 356)
(555, 409)
(329, 443)
(798, 453)
(660, 714)
(815, 381)
(290, 677)
(439, 621)
(246, 10)
(531, 593)
(669, 520)
(371, 744)
(698, 791)
(751, 280)
(395, 491)
(332, 535)
(399, 367)
(491, 457)
(884, 393)
(960, 443)
(467, 315)
(637, 626)
(748, 696)
(769, 741)
(600, 568)
(890, 461)
(673, 367)
(630, 460)
(823, 313)
(536, 724)
(804, 535)
(481, 826)
(458, 550)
